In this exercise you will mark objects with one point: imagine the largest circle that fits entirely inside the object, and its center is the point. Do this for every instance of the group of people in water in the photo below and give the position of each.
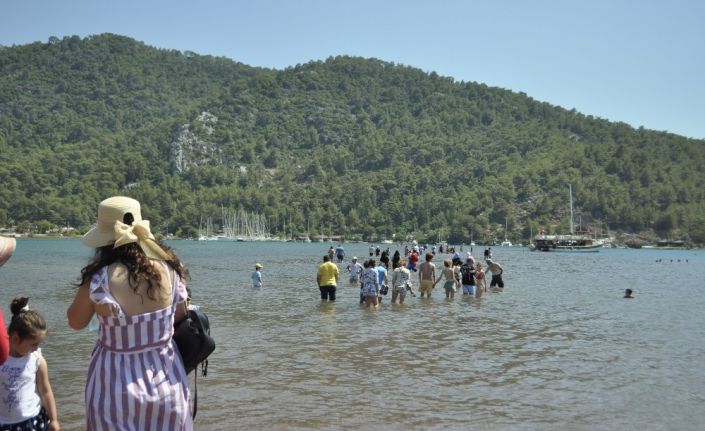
(377, 278)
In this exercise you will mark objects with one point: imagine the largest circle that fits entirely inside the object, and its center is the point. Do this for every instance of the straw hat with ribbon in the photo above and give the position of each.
(110, 228)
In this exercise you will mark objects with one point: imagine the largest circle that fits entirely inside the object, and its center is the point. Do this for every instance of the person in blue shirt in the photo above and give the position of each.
(340, 252)
(257, 277)
(382, 278)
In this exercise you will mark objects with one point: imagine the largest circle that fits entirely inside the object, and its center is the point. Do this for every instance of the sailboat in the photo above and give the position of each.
(205, 230)
(506, 242)
(532, 246)
(573, 242)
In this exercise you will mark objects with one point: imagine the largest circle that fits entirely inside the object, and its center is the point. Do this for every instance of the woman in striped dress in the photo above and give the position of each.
(136, 378)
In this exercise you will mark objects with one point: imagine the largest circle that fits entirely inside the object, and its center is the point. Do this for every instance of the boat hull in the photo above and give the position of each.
(569, 249)
(566, 243)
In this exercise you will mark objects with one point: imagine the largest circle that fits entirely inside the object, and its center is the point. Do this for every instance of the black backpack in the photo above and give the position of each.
(467, 273)
(193, 338)
(194, 342)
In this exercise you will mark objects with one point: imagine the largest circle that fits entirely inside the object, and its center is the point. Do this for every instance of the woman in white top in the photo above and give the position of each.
(401, 281)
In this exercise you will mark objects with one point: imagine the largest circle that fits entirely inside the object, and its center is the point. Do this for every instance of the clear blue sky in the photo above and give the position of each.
(641, 62)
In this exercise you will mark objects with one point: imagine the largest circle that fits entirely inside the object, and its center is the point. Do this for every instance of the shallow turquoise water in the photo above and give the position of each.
(557, 349)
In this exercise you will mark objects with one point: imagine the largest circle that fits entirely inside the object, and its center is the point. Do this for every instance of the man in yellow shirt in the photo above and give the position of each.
(327, 279)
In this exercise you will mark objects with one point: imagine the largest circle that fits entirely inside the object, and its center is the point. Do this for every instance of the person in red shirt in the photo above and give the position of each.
(413, 260)
(7, 247)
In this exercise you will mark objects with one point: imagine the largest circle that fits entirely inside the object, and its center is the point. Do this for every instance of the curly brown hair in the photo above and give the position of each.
(139, 266)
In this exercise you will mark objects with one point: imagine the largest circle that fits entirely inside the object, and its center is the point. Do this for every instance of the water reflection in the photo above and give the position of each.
(558, 348)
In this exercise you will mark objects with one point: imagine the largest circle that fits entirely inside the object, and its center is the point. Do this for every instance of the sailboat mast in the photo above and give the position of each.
(570, 193)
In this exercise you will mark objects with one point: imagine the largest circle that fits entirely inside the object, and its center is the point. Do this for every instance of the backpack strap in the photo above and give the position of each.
(195, 395)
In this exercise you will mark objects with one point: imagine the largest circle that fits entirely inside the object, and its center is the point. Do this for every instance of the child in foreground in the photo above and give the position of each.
(26, 399)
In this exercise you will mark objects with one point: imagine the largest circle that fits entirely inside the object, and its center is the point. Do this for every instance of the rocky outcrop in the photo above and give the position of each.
(189, 148)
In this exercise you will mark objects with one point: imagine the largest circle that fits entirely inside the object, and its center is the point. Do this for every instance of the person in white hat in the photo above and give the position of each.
(135, 285)
(355, 269)
(7, 247)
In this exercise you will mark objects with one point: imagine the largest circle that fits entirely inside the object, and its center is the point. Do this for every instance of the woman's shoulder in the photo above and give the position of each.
(115, 269)
(118, 273)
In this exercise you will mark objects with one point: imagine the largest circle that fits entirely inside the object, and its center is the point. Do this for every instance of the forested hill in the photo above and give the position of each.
(349, 146)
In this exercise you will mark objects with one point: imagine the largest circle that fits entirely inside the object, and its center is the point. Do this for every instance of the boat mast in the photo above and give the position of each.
(570, 193)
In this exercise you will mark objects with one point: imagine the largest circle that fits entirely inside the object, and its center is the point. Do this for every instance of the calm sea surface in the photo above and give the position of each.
(557, 349)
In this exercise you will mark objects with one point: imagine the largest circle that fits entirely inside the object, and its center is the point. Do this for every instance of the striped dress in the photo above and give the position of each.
(136, 379)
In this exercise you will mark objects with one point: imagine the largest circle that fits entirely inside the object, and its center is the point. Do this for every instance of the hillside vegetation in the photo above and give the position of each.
(350, 146)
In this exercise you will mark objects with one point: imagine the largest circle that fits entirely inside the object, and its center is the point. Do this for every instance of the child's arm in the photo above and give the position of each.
(46, 394)
(4, 340)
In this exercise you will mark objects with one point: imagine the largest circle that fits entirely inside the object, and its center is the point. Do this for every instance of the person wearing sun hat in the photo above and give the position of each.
(111, 229)
(135, 285)
(257, 276)
(7, 247)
